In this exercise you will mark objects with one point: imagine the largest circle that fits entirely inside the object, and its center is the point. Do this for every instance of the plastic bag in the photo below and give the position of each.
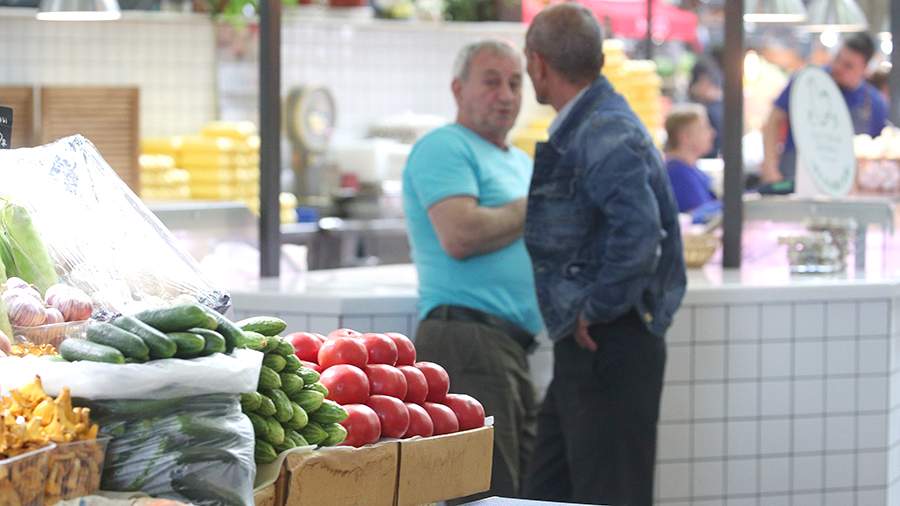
(193, 449)
(99, 235)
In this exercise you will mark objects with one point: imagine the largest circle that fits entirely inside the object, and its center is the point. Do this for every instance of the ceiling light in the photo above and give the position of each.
(774, 11)
(79, 10)
(836, 15)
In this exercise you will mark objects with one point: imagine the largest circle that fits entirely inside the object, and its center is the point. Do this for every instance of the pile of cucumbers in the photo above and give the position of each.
(289, 409)
(183, 331)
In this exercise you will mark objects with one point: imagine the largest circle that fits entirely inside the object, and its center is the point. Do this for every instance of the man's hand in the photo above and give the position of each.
(582, 337)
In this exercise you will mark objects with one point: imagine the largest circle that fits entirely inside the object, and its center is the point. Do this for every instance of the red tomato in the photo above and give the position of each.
(438, 380)
(416, 384)
(420, 423)
(393, 414)
(306, 345)
(343, 350)
(381, 348)
(362, 424)
(320, 337)
(346, 384)
(467, 409)
(442, 417)
(312, 365)
(334, 334)
(386, 380)
(406, 351)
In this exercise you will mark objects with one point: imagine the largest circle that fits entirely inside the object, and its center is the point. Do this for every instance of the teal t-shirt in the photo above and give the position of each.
(454, 161)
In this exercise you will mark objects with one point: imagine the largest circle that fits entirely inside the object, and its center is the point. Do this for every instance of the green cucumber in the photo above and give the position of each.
(291, 383)
(250, 401)
(266, 406)
(276, 431)
(176, 318)
(213, 341)
(283, 411)
(328, 412)
(265, 325)
(260, 426)
(336, 434)
(268, 379)
(292, 364)
(286, 444)
(229, 330)
(129, 344)
(272, 344)
(309, 400)
(264, 453)
(297, 438)
(74, 350)
(285, 349)
(274, 362)
(309, 376)
(299, 418)
(314, 433)
(252, 341)
(190, 345)
(316, 387)
(159, 344)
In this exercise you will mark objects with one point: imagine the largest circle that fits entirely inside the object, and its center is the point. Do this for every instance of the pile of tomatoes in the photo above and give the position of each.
(386, 393)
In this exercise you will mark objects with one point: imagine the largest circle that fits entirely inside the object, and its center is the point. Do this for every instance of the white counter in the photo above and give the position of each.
(779, 389)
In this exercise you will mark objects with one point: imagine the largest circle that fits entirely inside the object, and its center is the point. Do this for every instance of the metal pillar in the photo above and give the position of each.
(894, 81)
(648, 48)
(733, 129)
(270, 137)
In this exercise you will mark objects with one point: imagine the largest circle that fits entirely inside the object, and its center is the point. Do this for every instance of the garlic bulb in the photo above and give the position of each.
(53, 315)
(74, 304)
(25, 311)
(17, 284)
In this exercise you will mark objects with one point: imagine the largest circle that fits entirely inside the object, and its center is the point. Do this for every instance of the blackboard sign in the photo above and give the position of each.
(6, 117)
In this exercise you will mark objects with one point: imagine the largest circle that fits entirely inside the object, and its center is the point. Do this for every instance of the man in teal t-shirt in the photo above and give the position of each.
(464, 192)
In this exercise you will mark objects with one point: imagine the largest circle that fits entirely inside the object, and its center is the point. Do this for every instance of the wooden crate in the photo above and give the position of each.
(21, 100)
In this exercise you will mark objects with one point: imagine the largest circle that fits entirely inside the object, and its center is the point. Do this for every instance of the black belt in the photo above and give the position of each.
(465, 314)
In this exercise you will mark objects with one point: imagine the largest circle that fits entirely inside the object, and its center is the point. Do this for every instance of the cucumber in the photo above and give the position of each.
(198, 488)
(283, 411)
(309, 400)
(297, 438)
(129, 344)
(176, 318)
(316, 387)
(211, 322)
(190, 345)
(266, 406)
(314, 433)
(264, 453)
(285, 445)
(268, 379)
(328, 412)
(276, 431)
(272, 344)
(299, 418)
(285, 349)
(292, 364)
(265, 325)
(74, 350)
(250, 401)
(159, 344)
(309, 376)
(260, 427)
(274, 362)
(336, 434)
(229, 330)
(252, 341)
(213, 341)
(291, 383)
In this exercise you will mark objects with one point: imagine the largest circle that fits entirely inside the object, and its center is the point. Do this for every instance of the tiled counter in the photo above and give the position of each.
(779, 390)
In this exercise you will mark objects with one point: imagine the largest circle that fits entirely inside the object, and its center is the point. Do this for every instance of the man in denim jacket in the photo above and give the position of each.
(602, 231)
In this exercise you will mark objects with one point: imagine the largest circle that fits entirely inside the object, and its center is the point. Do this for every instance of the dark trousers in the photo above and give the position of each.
(597, 426)
(490, 366)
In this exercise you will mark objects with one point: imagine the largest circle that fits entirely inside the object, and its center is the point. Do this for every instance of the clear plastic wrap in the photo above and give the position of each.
(97, 233)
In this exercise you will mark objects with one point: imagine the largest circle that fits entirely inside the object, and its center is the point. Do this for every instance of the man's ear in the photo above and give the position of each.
(456, 88)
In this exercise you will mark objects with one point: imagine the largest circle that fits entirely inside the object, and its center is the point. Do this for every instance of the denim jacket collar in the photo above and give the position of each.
(585, 105)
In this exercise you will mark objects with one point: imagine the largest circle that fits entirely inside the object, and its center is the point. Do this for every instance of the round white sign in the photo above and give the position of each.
(823, 132)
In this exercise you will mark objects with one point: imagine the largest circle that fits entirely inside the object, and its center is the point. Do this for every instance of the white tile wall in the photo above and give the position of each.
(171, 60)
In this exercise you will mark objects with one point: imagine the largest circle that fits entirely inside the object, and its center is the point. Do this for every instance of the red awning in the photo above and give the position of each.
(628, 18)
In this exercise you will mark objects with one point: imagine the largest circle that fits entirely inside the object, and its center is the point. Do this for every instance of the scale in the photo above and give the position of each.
(310, 119)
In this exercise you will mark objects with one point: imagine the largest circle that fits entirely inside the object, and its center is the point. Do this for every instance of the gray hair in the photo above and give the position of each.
(464, 58)
(569, 38)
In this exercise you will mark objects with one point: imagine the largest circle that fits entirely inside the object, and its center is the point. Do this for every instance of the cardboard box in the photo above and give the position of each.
(345, 476)
(266, 496)
(445, 467)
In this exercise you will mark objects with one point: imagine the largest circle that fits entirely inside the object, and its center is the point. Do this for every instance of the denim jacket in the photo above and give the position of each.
(602, 224)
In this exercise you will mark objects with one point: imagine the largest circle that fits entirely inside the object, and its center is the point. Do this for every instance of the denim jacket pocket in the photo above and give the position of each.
(556, 219)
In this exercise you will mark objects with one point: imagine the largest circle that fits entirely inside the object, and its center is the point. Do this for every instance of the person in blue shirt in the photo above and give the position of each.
(868, 109)
(689, 136)
(464, 190)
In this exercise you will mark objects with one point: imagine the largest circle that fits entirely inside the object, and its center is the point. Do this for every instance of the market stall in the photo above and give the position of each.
(120, 373)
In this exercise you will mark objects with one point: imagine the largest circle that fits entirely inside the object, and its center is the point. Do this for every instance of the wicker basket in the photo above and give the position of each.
(698, 249)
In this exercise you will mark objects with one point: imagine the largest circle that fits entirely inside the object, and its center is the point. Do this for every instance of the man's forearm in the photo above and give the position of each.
(769, 169)
(495, 228)
(466, 229)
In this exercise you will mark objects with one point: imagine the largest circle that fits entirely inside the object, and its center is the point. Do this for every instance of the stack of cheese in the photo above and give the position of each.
(223, 162)
(638, 82)
(160, 179)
